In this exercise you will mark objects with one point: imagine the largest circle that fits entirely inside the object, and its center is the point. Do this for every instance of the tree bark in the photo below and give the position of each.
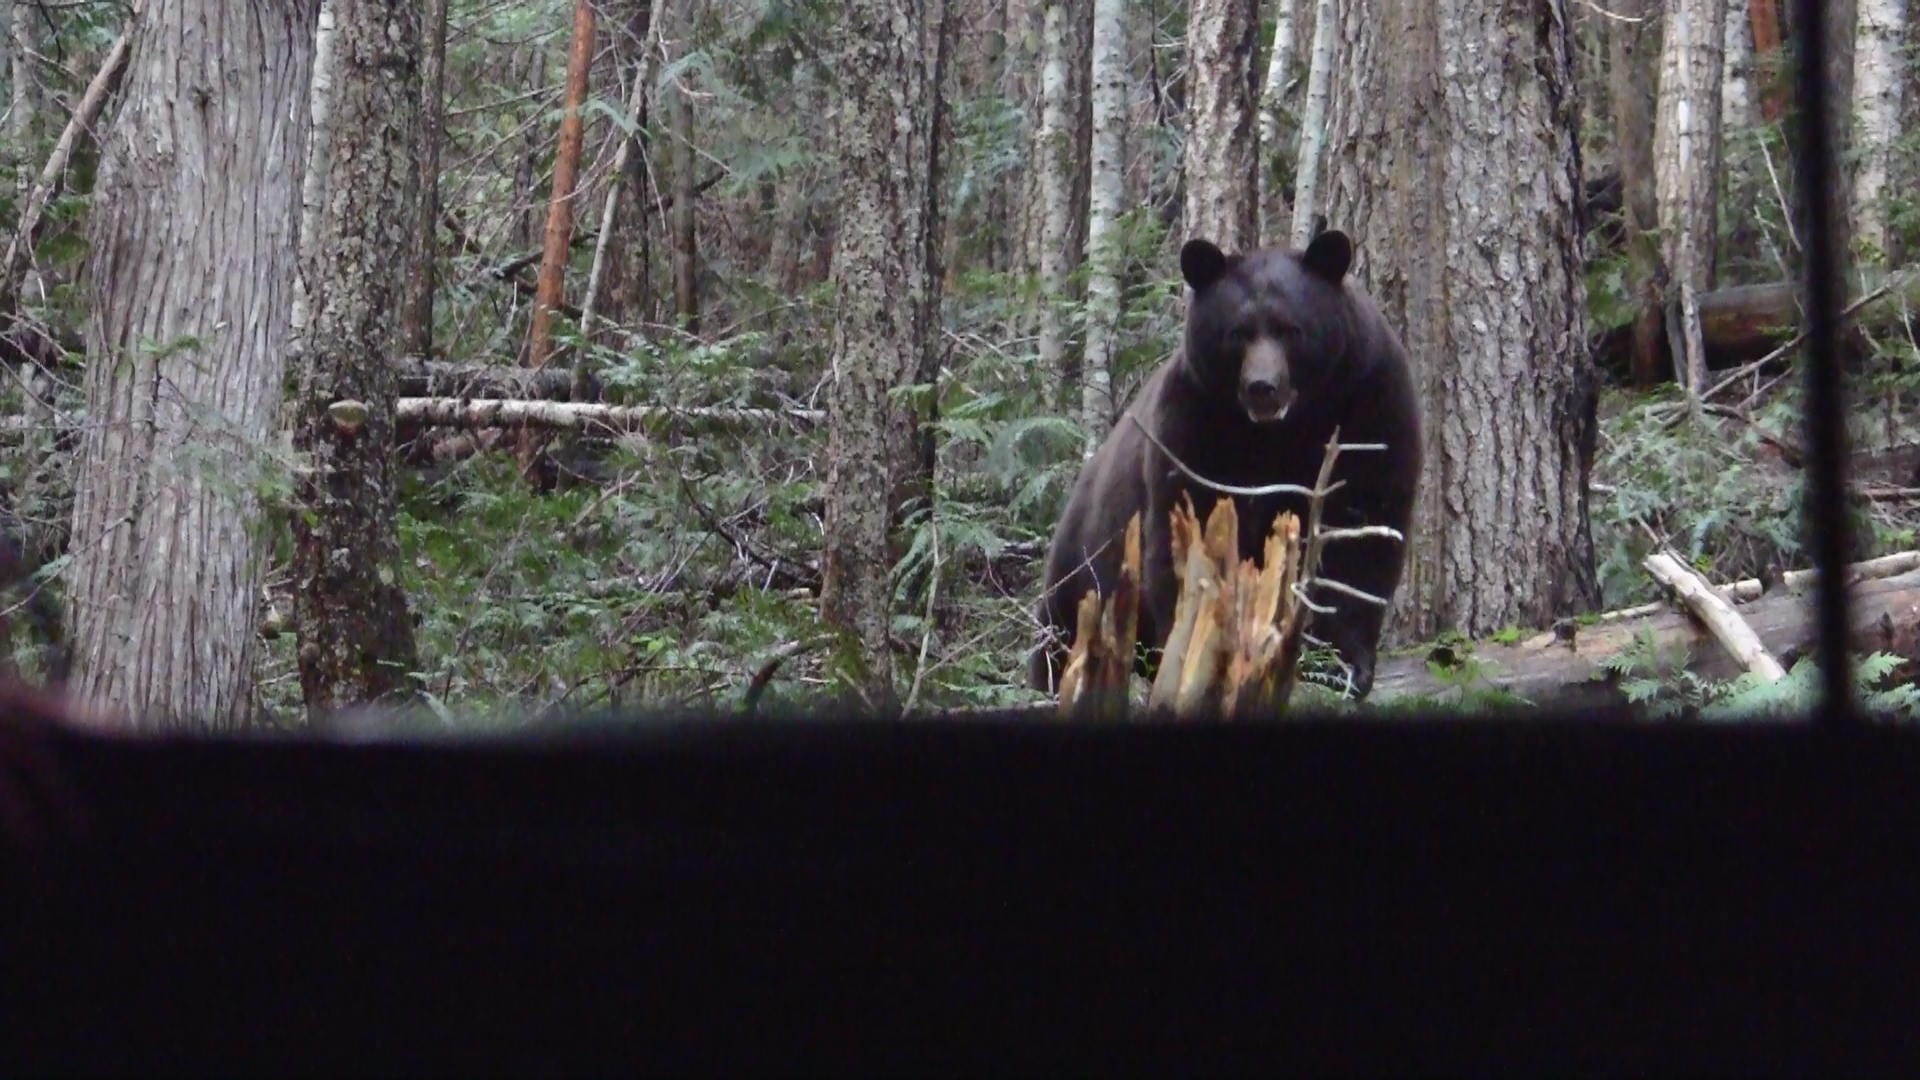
(313, 184)
(1107, 186)
(1313, 127)
(28, 93)
(1687, 169)
(1736, 70)
(682, 225)
(1274, 118)
(1055, 162)
(416, 310)
(883, 324)
(355, 632)
(1765, 18)
(617, 183)
(1877, 89)
(1221, 167)
(551, 286)
(194, 240)
(1635, 47)
(1484, 283)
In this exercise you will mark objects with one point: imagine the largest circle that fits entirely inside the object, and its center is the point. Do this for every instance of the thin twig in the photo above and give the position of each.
(926, 634)
(1232, 489)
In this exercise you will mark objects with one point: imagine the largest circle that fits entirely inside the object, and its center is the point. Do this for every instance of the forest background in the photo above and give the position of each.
(564, 355)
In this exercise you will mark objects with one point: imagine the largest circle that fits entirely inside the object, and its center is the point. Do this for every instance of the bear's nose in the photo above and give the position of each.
(1262, 392)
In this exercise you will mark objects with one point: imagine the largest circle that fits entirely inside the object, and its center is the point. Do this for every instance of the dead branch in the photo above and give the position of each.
(581, 415)
(1716, 614)
(26, 229)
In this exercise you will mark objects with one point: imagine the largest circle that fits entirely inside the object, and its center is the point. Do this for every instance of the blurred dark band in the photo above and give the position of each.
(1826, 521)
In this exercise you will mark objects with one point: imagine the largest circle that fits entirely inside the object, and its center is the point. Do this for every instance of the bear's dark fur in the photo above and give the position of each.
(1280, 349)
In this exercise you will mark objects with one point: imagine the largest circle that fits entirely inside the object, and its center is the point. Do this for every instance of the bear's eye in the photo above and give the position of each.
(1239, 336)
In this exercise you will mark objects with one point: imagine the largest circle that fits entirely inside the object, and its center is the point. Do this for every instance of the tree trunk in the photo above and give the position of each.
(1221, 166)
(1313, 127)
(552, 283)
(1274, 120)
(1736, 70)
(319, 145)
(682, 225)
(1840, 21)
(1686, 165)
(416, 309)
(883, 326)
(194, 241)
(1484, 283)
(1877, 89)
(1635, 47)
(355, 631)
(1054, 162)
(1764, 16)
(618, 182)
(29, 95)
(1107, 185)
(635, 306)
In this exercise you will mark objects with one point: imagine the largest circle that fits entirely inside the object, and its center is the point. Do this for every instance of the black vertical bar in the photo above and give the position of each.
(1825, 510)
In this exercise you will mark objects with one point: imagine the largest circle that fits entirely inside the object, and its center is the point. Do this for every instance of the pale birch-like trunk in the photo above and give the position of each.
(313, 186)
(194, 241)
(1107, 187)
(1437, 99)
(355, 632)
(1313, 125)
(1686, 163)
(1737, 110)
(1221, 167)
(1273, 123)
(617, 183)
(1877, 87)
(886, 135)
(1054, 162)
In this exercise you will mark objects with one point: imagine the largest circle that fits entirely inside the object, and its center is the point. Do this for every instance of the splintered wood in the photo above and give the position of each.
(1237, 625)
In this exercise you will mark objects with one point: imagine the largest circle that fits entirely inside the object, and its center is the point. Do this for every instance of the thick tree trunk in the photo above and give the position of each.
(1313, 126)
(1221, 166)
(193, 240)
(416, 310)
(1107, 184)
(355, 631)
(1686, 165)
(883, 325)
(1635, 48)
(552, 284)
(1054, 162)
(1877, 88)
(1484, 283)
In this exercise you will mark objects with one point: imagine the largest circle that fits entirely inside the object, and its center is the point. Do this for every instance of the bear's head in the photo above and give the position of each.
(1270, 328)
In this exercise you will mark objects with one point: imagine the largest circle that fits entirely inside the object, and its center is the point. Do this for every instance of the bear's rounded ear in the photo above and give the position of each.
(1201, 263)
(1329, 256)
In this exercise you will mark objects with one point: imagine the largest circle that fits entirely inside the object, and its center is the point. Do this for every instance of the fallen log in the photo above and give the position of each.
(580, 415)
(1744, 323)
(442, 378)
(1560, 669)
(1716, 615)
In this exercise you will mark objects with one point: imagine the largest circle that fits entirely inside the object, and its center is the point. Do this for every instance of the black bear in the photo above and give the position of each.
(1280, 349)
